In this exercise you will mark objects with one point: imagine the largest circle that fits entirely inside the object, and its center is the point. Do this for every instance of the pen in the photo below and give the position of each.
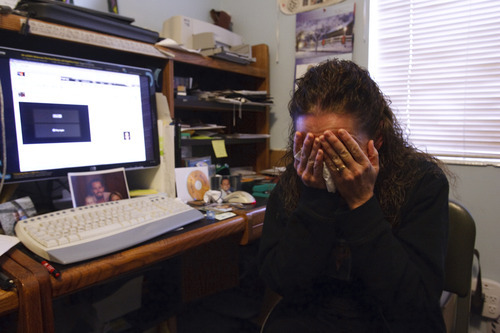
(6, 283)
(55, 273)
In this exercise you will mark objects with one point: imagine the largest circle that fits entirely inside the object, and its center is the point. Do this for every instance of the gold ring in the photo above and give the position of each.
(340, 169)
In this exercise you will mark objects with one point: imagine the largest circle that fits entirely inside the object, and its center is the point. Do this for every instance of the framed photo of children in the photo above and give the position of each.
(88, 188)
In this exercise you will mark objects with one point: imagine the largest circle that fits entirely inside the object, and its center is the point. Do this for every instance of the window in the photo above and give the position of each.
(438, 61)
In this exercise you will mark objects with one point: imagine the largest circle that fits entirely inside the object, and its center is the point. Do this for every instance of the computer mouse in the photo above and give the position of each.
(240, 197)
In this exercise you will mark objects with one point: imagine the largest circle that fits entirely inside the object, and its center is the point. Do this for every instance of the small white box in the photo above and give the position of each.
(181, 29)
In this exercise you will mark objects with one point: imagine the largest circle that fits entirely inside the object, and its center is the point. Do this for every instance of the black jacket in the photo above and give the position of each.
(323, 251)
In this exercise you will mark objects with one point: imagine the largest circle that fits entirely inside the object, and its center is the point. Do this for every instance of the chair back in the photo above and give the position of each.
(460, 253)
(458, 265)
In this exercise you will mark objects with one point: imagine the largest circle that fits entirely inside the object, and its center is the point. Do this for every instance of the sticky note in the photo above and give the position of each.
(219, 147)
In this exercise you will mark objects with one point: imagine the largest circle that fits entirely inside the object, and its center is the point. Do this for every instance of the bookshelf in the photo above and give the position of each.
(208, 74)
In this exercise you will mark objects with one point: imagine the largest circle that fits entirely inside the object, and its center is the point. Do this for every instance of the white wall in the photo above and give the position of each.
(477, 189)
(159, 10)
(150, 14)
(259, 21)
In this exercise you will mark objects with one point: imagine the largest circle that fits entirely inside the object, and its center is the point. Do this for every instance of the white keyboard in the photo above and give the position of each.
(86, 232)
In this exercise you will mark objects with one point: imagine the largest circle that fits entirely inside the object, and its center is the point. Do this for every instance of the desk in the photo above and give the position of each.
(254, 225)
(25, 298)
(221, 238)
(9, 302)
(207, 249)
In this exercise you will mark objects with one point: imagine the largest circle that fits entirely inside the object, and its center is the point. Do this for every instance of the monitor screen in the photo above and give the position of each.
(65, 114)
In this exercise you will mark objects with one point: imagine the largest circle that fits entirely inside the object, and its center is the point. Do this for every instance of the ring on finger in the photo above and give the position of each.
(297, 155)
(341, 168)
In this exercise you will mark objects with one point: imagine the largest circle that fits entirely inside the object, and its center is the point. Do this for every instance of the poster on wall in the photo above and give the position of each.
(322, 34)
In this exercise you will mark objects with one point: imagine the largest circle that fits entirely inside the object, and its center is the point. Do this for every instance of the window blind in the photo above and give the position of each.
(438, 61)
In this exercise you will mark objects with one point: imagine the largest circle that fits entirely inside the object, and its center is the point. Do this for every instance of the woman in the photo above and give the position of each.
(365, 253)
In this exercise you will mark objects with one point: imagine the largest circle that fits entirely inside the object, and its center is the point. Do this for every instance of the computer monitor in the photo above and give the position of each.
(64, 114)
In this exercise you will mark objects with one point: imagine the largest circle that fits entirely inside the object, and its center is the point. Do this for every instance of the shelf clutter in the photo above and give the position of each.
(218, 100)
(191, 35)
(237, 97)
(241, 54)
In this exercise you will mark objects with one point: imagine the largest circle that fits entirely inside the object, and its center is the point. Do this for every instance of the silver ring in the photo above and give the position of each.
(297, 156)
(340, 169)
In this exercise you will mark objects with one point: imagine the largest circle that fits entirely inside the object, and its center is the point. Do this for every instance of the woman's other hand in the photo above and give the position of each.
(308, 160)
(354, 168)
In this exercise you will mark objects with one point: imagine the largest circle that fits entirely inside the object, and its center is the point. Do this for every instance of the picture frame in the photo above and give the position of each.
(95, 187)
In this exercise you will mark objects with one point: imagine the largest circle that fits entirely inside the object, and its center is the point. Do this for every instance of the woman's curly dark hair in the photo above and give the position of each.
(342, 87)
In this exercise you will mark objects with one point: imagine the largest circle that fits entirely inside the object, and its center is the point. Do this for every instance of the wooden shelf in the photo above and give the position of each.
(60, 32)
(205, 142)
(191, 104)
(195, 59)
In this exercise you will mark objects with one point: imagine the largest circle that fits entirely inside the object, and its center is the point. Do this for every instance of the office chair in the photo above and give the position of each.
(458, 264)
(458, 270)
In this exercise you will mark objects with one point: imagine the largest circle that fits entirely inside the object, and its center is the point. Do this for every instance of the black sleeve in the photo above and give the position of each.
(404, 267)
(397, 267)
(294, 249)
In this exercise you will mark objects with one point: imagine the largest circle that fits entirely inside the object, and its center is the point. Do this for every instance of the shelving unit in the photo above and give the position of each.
(211, 75)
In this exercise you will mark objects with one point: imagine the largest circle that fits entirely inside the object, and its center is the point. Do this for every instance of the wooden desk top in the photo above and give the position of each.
(75, 277)
(78, 276)
(255, 221)
(9, 301)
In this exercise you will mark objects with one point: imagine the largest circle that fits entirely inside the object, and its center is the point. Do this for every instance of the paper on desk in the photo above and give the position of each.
(11, 3)
(6, 242)
(161, 178)
(13, 211)
(168, 42)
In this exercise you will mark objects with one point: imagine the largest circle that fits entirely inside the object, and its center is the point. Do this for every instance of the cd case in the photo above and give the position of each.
(191, 183)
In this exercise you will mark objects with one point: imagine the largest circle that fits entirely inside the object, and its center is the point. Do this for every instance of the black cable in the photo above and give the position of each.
(477, 299)
(3, 138)
(25, 27)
